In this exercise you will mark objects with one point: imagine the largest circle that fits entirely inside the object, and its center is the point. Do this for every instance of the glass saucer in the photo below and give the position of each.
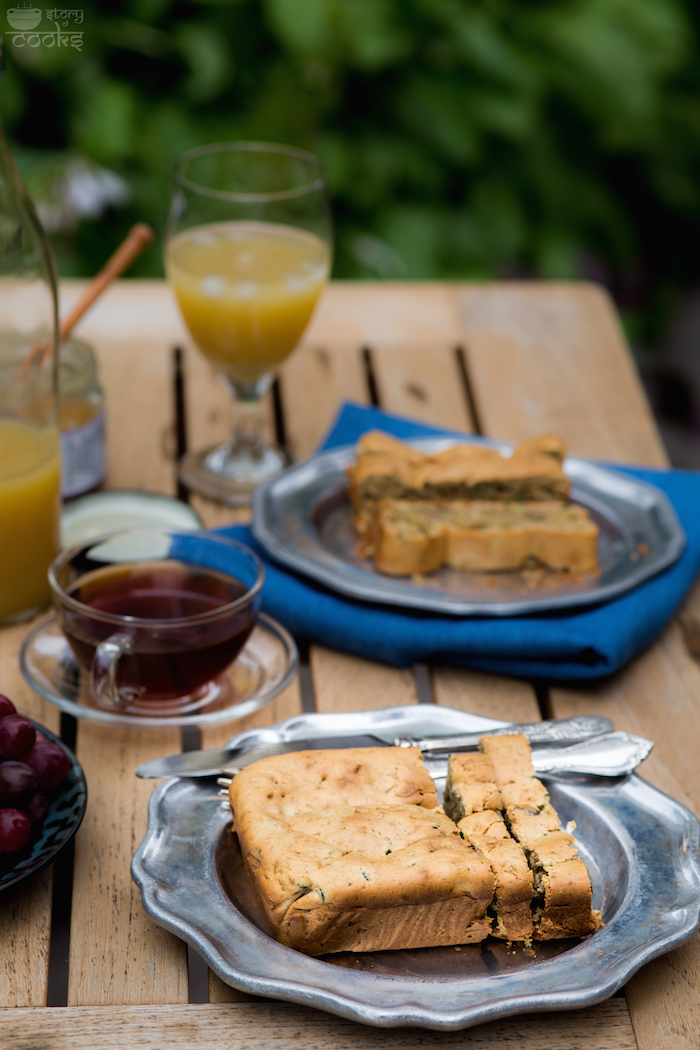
(266, 666)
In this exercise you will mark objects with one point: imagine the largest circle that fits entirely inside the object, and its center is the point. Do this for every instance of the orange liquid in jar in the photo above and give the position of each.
(76, 412)
(246, 291)
(29, 514)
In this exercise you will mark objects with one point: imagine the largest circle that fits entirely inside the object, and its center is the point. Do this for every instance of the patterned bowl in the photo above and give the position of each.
(66, 810)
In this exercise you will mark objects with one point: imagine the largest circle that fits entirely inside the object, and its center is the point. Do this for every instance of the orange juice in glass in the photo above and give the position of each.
(247, 255)
(29, 504)
(246, 291)
(29, 431)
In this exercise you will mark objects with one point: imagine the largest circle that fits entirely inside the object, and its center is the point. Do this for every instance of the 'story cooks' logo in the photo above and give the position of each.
(25, 20)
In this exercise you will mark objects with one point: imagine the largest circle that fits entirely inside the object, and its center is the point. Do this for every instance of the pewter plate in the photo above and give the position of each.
(303, 519)
(640, 846)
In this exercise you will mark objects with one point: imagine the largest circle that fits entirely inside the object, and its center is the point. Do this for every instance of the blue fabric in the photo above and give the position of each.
(583, 644)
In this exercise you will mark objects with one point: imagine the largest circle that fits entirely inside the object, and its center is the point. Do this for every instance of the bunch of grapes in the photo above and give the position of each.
(30, 766)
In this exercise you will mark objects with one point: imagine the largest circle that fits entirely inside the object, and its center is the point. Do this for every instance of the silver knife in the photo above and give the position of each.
(226, 759)
(609, 755)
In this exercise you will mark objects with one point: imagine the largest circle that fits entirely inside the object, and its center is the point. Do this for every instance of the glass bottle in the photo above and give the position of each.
(29, 430)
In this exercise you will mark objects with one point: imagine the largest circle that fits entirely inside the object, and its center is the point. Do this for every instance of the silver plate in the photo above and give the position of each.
(641, 848)
(303, 519)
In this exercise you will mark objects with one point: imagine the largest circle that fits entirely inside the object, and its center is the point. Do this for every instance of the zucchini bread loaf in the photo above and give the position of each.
(389, 469)
(482, 536)
(348, 850)
(505, 812)
(469, 508)
(475, 804)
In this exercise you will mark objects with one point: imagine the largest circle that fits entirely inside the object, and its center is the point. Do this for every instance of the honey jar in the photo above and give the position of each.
(82, 419)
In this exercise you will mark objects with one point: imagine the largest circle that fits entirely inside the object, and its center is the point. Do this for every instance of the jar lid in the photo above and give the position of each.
(89, 516)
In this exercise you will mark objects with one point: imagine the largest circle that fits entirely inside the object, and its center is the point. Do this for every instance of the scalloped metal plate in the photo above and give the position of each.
(303, 519)
(641, 848)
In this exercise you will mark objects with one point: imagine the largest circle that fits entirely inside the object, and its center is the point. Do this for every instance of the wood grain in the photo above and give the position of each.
(381, 313)
(314, 382)
(25, 913)
(25, 921)
(546, 357)
(488, 695)
(347, 683)
(263, 1025)
(422, 381)
(118, 955)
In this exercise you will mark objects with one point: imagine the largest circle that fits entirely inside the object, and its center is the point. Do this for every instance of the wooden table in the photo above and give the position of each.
(81, 964)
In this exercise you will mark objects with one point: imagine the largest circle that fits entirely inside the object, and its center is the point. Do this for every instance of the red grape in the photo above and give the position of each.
(50, 763)
(17, 736)
(15, 829)
(17, 783)
(38, 807)
(27, 759)
(6, 706)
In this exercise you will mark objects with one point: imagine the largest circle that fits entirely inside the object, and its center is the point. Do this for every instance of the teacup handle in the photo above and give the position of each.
(103, 673)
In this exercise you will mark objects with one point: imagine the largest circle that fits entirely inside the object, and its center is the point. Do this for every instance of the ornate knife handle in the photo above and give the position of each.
(556, 731)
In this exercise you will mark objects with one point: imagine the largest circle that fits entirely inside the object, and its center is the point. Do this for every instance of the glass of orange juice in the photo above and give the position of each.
(248, 253)
(29, 431)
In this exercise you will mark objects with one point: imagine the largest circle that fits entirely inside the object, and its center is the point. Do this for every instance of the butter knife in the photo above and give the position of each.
(609, 755)
(226, 759)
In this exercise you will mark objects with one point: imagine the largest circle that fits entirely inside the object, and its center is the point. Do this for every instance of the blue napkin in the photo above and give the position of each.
(583, 644)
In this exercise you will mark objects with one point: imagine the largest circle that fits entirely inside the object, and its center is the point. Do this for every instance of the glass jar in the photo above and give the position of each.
(82, 419)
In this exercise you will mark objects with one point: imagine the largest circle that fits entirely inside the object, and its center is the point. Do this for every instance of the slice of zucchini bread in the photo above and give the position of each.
(482, 536)
(474, 802)
(562, 904)
(348, 850)
(388, 468)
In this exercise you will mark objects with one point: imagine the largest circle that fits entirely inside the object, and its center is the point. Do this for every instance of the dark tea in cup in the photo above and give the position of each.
(158, 629)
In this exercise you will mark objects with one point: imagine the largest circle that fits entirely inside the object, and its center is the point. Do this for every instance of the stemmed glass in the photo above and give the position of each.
(248, 253)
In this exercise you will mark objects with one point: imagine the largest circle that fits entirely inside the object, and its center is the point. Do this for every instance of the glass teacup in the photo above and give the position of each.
(155, 615)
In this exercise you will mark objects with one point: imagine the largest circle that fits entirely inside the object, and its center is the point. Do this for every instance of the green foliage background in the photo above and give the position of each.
(462, 138)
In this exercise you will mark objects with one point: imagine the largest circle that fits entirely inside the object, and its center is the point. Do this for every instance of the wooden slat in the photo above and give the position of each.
(422, 380)
(118, 955)
(25, 923)
(347, 683)
(485, 694)
(315, 380)
(284, 1027)
(546, 357)
(384, 312)
(25, 913)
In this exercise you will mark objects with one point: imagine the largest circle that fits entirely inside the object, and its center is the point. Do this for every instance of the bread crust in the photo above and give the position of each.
(473, 799)
(479, 536)
(388, 468)
(561, 882)
(348, 850)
